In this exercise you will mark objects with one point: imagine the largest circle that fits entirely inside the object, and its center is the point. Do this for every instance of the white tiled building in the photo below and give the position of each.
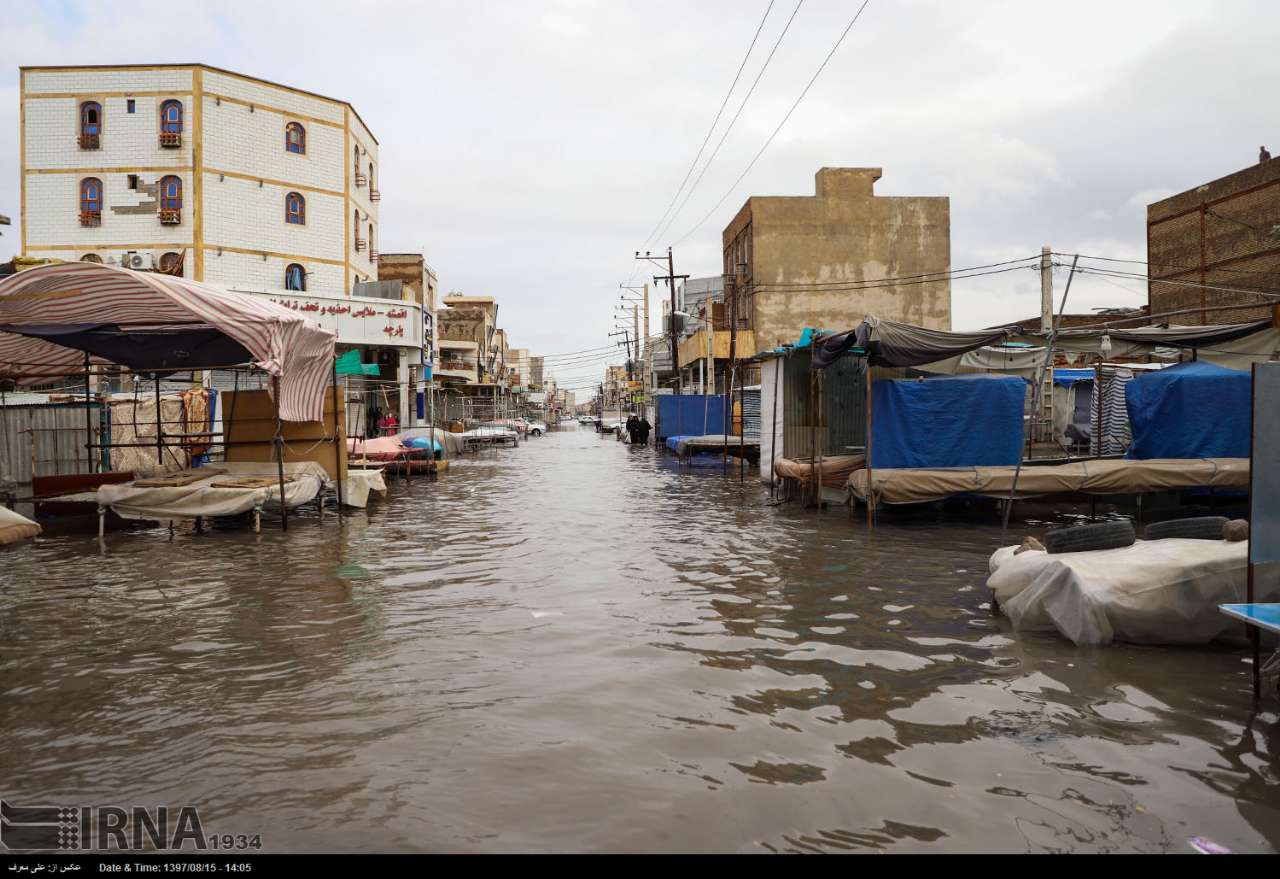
(241, 178)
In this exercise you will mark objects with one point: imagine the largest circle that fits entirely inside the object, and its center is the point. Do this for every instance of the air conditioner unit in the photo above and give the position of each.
(143, 262)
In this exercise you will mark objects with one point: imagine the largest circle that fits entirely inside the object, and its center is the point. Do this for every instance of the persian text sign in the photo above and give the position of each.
(359, 320)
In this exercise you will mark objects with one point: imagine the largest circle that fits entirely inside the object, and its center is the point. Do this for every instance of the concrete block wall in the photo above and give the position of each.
(249, 270)
(53, 214)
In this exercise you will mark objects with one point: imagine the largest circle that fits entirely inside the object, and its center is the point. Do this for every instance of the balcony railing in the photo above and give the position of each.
(89, 141)
(375, 195)
(91, 218)
(170, 139)
(360, 243)
(171, 216)
(373, 256)
(361, 180)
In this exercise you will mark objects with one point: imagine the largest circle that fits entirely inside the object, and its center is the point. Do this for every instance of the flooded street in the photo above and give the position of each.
(576, 646)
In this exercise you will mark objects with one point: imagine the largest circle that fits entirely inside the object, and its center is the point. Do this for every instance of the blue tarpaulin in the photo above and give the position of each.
(1192, 410)
(1069, 377)
(689, 415)
(952, 421)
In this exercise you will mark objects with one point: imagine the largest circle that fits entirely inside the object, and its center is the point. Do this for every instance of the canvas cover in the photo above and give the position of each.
(359, 483)
(1153, 592)
(202, 499)
(1191, 410)
(892, 344)
(1102, 476)
(949, 421)
(15, 527)
(833, 470)
(51, 315)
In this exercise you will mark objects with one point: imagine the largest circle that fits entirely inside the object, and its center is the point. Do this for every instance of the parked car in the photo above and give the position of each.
(537, 428)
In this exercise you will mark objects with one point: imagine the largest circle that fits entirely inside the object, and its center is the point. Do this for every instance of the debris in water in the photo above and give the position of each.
(351, 572)
(1207, 846)
(539, 614)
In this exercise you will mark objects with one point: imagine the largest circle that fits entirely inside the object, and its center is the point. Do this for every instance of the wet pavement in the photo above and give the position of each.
(576, 645)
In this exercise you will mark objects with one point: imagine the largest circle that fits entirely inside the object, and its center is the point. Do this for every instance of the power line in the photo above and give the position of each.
(714, 123)
(942, 275)
(895, 282)
(752, 163)
(1189, 268)
(729, 128)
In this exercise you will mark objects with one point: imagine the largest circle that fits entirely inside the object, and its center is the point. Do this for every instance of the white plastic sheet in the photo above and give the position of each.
(1153, 592)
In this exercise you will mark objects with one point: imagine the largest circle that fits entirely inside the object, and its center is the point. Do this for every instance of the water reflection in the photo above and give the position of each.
(575, 645)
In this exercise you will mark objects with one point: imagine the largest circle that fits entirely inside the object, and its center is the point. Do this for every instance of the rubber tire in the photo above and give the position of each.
(1083, 538)
(1198, 528)
(536, 432)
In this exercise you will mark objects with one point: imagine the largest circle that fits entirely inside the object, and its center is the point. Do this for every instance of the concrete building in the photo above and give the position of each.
(466, 327)
(1222, 234)
(419, 284)
(225, 178)
(819, 260)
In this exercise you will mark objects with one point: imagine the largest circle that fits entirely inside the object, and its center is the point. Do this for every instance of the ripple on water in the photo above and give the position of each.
(574, 645)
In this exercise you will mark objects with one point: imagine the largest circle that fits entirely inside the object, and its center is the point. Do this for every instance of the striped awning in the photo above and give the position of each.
(280, 341)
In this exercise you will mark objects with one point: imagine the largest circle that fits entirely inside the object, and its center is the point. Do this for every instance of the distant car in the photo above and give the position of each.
(537, 428)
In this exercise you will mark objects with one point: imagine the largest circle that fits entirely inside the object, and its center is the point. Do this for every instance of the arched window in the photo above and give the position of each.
(171, 263)
(170, 193)
(90, 202)
(295, 138)
(371, 179)
(171, 117)
(295, 278)
(357, 161)
(295, 209)
(372, 244)
(91, 257)
(90, 125)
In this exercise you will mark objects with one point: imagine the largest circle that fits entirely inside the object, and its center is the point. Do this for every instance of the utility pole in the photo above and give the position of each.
(670, 277)
(648, 353)
(1045, 413)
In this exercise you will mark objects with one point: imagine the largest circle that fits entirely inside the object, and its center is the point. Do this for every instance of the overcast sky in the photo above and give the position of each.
(528, 148)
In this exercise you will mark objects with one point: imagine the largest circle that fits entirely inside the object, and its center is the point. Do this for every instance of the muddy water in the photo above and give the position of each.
(573, 645)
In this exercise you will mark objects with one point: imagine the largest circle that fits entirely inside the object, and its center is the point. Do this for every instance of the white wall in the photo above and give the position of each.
(239, 213)
(770, 440)
(53, 212)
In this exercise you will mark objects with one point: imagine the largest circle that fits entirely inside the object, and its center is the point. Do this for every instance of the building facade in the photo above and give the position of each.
(822, 261)
(466, 327)
(214, 175)
(1209, 246)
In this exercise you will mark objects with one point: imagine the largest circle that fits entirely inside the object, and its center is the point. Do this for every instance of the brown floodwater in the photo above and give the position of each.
(575, 645)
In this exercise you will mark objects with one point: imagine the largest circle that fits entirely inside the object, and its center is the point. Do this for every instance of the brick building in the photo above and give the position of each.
(227, 178)
(1225, 233)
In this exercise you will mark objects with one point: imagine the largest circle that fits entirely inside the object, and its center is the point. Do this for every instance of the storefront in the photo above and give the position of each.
(386, 332)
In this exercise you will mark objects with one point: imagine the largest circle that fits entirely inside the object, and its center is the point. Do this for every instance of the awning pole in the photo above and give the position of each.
(773, 435)
(866, 442)
(339, 436)
(159, 428)
(1036, 391)
(88, 420)
(279, 440)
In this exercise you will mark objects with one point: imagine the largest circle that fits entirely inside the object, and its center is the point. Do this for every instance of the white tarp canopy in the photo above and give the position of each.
(52, 316)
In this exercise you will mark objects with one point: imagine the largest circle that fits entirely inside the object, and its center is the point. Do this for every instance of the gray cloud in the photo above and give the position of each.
(528, 148)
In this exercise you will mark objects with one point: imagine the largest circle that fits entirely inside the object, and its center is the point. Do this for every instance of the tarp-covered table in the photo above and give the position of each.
(1097, 476)
(204, 498)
